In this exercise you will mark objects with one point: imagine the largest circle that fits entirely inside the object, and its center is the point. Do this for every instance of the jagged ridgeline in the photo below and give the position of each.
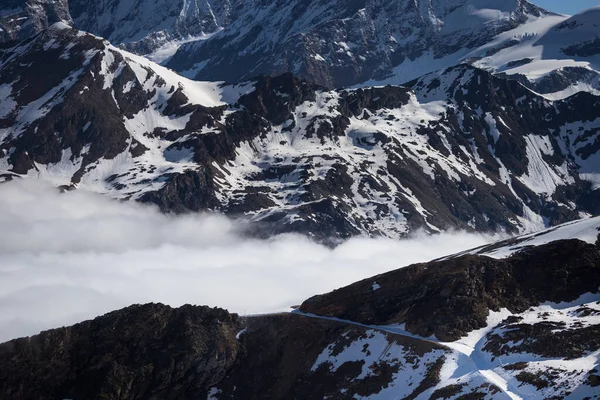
(335, 43)
(459, 148)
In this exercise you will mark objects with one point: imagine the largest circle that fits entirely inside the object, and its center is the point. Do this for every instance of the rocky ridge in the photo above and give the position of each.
(449, 150)
(452, 297)
(336, 44)
(154, 351)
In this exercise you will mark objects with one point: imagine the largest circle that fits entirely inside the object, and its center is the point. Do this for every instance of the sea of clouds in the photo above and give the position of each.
(67, 257)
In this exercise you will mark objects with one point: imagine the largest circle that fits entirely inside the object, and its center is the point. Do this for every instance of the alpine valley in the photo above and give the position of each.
(331, 119)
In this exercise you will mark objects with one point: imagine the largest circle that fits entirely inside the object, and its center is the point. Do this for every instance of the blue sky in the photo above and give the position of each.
(566, 6)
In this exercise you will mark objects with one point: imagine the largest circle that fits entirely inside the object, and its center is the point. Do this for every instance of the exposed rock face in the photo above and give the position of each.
(450, 151)
(143, 25)
(155, 352)
(22, 19)
(452, 297)
(340, 43)
(141, 352)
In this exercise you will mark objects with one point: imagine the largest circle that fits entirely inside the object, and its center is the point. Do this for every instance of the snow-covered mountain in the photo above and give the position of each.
(336, 43)
(451, 151)
(100, 111)
(495, 128)
(341, 43)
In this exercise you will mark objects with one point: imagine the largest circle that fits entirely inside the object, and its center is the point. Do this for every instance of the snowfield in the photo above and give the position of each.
(586, 230)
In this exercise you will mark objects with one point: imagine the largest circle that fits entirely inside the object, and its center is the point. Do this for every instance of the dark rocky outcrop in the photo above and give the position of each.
(141, 352)
(156, 352)
(452, 297)
(585, 49)
(21, 19)
(274, 98)
(541, 338)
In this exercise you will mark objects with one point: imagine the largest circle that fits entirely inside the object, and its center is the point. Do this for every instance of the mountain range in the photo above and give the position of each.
(331, 119)
(336, 43)
(461, 147)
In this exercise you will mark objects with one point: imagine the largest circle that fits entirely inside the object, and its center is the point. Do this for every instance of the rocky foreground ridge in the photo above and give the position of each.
(414, 333)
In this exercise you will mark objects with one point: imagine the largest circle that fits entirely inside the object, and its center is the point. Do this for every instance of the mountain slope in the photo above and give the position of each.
(337, 44)
(524, 327)
(452, 151)
(528, 319)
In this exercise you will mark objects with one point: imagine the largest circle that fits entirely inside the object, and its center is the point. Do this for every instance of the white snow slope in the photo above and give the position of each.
(536, 49)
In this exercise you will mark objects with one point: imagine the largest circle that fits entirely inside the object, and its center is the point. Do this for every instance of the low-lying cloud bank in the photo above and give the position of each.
(73, 256)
